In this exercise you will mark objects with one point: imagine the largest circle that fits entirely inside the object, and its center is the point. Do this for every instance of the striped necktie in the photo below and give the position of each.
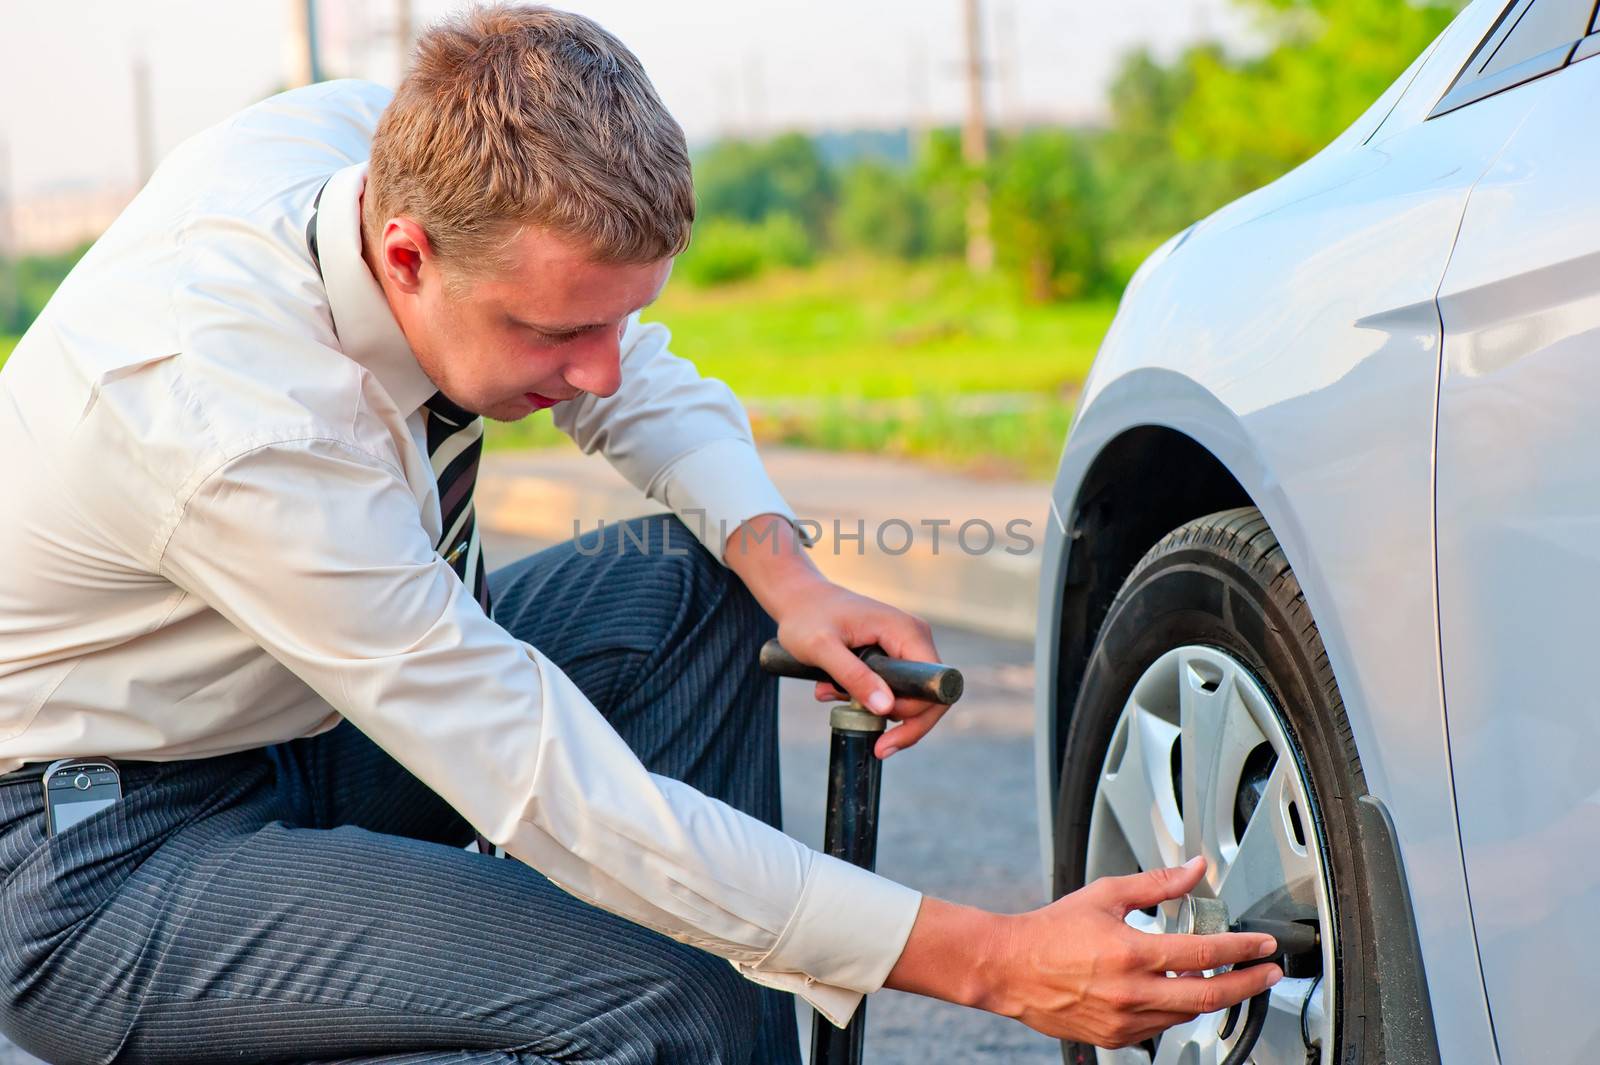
(455, 442)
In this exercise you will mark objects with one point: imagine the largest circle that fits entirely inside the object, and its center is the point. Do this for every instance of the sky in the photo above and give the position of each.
(66, 69)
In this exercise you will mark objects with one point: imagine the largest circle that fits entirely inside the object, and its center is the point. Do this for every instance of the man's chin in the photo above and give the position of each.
(507, 412)
(510, 411)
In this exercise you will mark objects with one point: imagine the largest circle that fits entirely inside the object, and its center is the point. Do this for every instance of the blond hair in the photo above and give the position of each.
(514, 115)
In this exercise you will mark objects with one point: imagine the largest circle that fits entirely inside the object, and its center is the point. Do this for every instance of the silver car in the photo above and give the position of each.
(1321, 589)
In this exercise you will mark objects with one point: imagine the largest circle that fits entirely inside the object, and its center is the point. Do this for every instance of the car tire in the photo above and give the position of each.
(1223, 582)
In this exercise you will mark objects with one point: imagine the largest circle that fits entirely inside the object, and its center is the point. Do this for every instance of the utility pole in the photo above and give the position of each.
(143, 122)
(305, 63)
(313, 52)
(975, 148)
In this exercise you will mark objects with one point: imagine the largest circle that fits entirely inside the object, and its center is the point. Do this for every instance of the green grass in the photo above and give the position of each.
(873, 329)
(6, 344)
(1015, 443)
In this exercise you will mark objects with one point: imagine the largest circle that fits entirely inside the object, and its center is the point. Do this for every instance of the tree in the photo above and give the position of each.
(1188, 136)
(1145, 186)
(1260, 116)
(749, 180)
(940, 178)
(1046, 221)
(881, 210)
(36, 278)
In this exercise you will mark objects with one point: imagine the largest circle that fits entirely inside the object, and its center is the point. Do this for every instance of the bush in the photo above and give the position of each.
(724, 250)
(881, 211)
(1046, 223)
(786, 242)
(749, 181)
(941, 181)
(26, 285)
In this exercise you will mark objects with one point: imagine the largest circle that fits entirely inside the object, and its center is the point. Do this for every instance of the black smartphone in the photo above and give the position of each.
(74, 788)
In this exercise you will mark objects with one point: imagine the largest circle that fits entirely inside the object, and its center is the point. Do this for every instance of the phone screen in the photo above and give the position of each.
(69, 813)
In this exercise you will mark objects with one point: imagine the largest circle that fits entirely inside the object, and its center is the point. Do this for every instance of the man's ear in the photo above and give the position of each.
(403, 250)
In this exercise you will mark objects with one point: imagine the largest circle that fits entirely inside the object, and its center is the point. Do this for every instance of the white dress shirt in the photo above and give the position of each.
(218, 530)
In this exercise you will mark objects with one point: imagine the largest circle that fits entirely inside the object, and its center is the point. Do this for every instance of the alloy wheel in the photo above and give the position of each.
(1200, 763)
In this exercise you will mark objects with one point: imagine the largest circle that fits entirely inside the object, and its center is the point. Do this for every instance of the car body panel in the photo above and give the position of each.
(1295, 335)
(1519, 569)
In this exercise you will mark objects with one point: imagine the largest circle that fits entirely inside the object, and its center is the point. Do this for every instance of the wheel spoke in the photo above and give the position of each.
(1218, 735)
(1146, 922)
(1139, 789)
(1272, 872)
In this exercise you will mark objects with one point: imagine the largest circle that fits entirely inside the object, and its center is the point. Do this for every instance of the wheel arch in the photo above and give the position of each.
(1116, 516)
(1150, 448)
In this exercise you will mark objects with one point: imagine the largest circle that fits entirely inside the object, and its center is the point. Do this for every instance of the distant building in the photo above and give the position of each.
(64, 218)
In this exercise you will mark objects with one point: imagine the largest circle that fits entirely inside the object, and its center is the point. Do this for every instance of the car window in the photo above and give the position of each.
(1543, 25)
(1531, 39)
(1587, 47)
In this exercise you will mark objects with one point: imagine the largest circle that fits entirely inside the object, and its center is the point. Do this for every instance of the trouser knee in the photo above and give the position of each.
(716, 1013)
(710, 604)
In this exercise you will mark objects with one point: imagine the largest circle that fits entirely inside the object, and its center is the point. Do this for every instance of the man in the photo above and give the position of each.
(242, 561)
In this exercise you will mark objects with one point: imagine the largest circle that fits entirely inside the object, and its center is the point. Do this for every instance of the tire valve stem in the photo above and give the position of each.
(1205, 917)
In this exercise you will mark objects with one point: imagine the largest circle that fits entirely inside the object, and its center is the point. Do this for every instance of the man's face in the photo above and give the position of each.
(545, 329)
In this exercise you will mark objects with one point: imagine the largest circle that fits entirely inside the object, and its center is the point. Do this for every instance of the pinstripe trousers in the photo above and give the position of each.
(311, 902)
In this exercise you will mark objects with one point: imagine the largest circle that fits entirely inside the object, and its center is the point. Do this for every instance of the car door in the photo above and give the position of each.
(1518, 534)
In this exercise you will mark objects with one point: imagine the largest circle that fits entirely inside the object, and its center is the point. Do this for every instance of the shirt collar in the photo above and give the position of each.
(365, 326)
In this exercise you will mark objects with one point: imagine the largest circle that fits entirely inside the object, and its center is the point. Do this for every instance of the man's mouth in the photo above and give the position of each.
(539, 402)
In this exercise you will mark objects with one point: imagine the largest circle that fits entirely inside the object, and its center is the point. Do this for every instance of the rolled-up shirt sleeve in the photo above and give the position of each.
(682, 439)
(314, 549)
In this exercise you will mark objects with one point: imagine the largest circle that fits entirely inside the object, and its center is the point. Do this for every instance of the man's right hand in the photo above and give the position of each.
(1075, 969)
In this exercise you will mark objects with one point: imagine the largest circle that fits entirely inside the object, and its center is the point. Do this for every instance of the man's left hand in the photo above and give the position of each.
(822, 630)
(819, 622)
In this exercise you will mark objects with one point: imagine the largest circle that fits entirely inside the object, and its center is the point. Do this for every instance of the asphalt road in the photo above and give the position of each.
(958, 822)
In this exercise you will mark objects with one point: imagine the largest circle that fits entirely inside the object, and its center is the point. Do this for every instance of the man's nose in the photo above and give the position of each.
(596, 365)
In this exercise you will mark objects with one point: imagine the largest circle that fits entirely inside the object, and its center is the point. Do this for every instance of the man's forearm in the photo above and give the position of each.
(953, 954)
(766, 553)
